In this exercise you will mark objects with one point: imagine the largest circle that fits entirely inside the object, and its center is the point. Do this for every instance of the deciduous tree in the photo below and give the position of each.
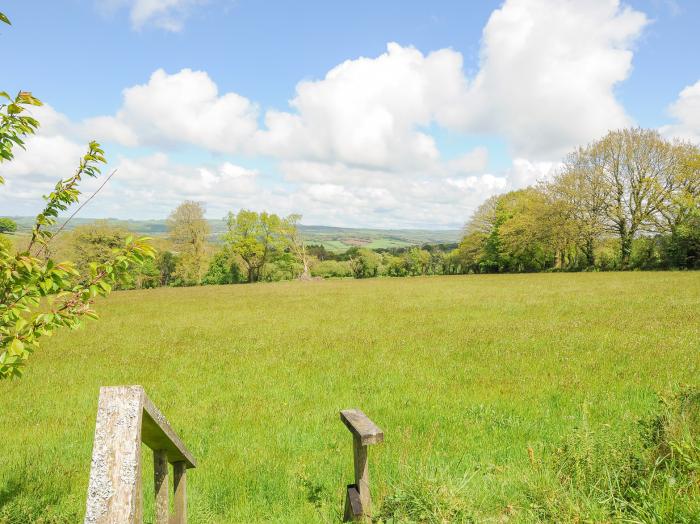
(255, 237)
(188, 231)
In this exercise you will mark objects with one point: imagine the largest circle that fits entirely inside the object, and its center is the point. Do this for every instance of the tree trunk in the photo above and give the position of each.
(625, 247)
(589, 252)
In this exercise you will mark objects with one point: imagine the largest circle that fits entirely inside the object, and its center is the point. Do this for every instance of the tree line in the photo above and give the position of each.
(630, 200)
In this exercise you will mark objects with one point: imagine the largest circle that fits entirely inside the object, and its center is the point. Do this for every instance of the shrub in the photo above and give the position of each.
(331, 269)
(7, 225)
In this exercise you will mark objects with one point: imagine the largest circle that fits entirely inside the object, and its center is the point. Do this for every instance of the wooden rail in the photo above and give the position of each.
(126, 417)
(358, 501)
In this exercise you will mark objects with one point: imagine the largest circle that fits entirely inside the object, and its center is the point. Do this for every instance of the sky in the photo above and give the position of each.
(390, 114)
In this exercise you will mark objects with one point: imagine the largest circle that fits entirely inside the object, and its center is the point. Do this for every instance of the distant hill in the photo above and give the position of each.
(332, 238)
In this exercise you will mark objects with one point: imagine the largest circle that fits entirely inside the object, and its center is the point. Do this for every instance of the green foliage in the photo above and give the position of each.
(26, 281)
(166, 262)
(364, 263)
(95, 243)
(331, 269)
(37, 294)
(631, 186)
(260, 238)
(14, 124)
(223, 269)
(7, 225)
(188, 231)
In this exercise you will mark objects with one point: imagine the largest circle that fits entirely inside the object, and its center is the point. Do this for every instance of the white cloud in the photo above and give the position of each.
(184, 108)
(358, 145)
(165, 14)
(686, 112)
(525, 172)
(548, 72)
(369, 111)
(160, 184)
(546, 84)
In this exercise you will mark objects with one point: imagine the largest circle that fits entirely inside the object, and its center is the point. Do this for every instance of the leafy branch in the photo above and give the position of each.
(38, 295)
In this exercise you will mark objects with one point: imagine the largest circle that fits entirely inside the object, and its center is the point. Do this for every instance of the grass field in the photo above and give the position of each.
(462, 373)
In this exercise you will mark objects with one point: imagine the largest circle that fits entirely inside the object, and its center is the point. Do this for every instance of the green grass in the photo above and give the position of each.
(462, 373)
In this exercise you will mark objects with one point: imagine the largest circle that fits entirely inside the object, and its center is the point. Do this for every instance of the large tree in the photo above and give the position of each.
(188, 231)
(680, 217)
(579, 196)
(255, 237)
(637, 170)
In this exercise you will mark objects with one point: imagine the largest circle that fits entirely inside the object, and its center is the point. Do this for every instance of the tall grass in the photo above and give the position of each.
(511, 398)
(651, 475)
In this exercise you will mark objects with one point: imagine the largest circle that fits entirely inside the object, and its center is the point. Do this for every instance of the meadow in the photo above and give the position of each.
(475, 380)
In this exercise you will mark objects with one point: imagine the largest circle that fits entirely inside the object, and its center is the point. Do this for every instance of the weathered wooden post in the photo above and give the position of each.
(358, 501)
(126, 417)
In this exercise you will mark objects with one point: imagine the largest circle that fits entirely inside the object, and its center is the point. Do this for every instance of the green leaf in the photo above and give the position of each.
(16, 347)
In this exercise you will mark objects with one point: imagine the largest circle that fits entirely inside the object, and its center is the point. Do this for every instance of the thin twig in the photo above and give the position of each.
(81, 206)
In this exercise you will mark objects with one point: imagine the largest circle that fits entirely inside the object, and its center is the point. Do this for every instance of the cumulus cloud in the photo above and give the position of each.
(546, 83)
(548, 72)
(163, 184)
(686, 112)
(165, 14)
(357, 146)
(524, 172)
(369, 111)
(184, 108)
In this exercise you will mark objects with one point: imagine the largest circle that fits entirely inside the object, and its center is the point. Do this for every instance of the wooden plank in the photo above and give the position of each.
(157, 434)
(180, 483)
(361, 426)
(361, 473)
(353, 505)
(160, 484)
(114, 488)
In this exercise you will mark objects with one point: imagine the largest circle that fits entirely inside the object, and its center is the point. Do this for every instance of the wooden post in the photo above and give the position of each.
(358, 502)
(180, 483)
(361, 473)
(114, 489)
(160, 482)
(126, 417)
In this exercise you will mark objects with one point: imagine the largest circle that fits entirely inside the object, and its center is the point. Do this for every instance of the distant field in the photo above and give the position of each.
(332, 238)
(463, 374)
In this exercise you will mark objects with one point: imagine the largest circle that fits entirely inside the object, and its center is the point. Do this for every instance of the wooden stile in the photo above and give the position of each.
(126, 418)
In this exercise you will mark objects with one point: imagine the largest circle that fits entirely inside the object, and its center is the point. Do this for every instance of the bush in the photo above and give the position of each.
(331, 269)
(223, 269)
(364, 263)
(7, 225)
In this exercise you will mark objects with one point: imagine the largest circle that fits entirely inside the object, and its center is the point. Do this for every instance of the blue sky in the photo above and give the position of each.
(471, 99)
